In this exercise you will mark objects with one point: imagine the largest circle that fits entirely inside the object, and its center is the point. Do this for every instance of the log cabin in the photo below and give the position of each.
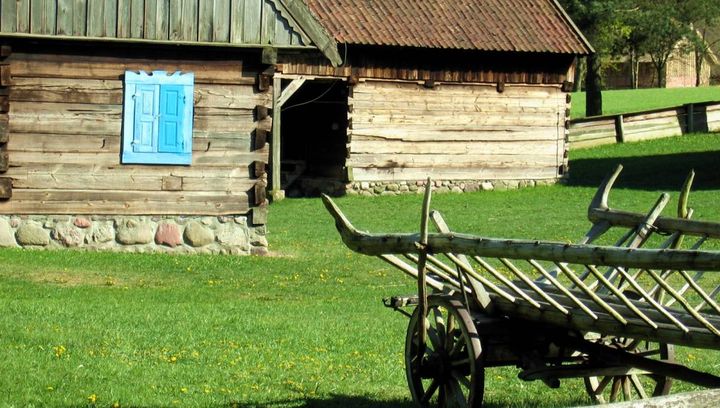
(471, 93)
(159, 125)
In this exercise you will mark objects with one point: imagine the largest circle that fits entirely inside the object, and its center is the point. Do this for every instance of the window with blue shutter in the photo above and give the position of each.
(157, 118)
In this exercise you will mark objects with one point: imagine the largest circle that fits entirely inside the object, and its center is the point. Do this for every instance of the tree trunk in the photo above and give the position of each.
(698, 69)
(661, 77)
(634, 68)
(578, 80)
(593, 90)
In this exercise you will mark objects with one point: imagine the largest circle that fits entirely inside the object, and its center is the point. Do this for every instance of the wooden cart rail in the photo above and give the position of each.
(664, 294)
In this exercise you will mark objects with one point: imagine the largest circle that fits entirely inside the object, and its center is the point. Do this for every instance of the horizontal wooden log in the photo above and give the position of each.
(200, 158)
(90, 67)
(110, 92)
(661, 259)
(38, 180)
(57, 143)
(468, 120)
(475, 173)
(66, 118)
(501, 147)
(117, 169)
(452, 161)
(456, 133)
(124, 202)
(394, 88)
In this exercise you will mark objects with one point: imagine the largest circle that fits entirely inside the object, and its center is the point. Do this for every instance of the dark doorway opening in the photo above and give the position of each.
(314, 139)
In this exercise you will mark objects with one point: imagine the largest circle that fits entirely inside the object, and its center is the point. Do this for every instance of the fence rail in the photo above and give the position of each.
(652, 124)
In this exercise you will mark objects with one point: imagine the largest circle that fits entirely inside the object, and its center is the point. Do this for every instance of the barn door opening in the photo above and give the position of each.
(314, 139)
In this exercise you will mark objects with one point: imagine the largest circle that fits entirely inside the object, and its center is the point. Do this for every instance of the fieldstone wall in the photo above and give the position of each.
(440, 186)
(207, 235)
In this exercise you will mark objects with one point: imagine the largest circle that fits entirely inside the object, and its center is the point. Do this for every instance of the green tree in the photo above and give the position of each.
(602, 24)
(701, 16)
(662, 25)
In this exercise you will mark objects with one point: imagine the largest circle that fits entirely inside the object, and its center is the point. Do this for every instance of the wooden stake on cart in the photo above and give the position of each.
(422, 271)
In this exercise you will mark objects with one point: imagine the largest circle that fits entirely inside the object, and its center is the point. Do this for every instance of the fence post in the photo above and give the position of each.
(690, 117)
(619, 130)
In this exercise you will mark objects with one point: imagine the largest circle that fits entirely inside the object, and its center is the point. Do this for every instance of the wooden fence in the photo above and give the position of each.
(637, 126)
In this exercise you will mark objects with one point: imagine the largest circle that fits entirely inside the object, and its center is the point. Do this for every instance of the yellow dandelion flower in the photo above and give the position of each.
(92, 398)
(184, 390)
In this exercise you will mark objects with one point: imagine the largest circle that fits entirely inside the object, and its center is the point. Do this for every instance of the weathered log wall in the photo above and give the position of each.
(406, 131)
(65, 138)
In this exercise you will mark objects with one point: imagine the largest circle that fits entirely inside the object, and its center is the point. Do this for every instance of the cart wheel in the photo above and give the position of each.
(450, 373)
(632, 386)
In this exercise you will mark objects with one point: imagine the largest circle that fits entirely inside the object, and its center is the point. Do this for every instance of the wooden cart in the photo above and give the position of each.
(609, 314)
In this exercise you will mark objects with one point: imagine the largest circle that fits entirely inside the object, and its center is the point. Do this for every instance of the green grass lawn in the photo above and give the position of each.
(304, 327)
(634, 100)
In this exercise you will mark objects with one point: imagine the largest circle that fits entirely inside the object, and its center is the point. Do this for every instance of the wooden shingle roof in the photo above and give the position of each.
(485, 25)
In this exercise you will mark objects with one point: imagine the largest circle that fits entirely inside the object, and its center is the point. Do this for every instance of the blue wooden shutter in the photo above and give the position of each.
(146, 112)
(172, 108)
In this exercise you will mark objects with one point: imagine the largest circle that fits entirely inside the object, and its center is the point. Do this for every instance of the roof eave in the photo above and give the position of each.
(314, 30)
(576, 30)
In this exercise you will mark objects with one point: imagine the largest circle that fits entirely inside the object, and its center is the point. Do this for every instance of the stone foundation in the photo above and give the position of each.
(440, 186)
(172, 234)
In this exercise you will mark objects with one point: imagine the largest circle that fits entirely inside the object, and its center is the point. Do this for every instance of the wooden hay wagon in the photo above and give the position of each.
(609, 314)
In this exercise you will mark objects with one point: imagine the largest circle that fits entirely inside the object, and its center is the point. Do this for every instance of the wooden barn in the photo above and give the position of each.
(468, 92)
(141, 125)
(159, 125)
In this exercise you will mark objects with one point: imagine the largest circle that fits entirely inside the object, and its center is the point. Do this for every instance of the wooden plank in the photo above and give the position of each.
(475, 173)
(124, 18)
(96, 18)
(65, 17)
(79, 18)
(455, 133)
(360, 145)
(23, 16)
(118, 170)
(8, 16)
(450, 161)
(162, 20)
(237, 14)
(151, 19)
(183, 20)
(75, 143)
(128, 181)
(124, 202)
(268, 22)
(110, 92)
(201, 158)
(43, 14)
(137, 18)
(252, 20)
(90, 67)
(398, 119)
(221, 21)
(205, 20)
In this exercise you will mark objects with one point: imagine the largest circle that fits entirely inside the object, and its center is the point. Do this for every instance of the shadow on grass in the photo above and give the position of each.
(665, 172)
(344, 401)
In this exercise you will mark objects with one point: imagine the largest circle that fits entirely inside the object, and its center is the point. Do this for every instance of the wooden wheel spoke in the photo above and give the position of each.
(615, 388)
(440, 326)
(454, 396)
(638, 386)
(434, 385)
(462, 379)
(627, 392)
(602, 384)
(434, 337)
(450, 337)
